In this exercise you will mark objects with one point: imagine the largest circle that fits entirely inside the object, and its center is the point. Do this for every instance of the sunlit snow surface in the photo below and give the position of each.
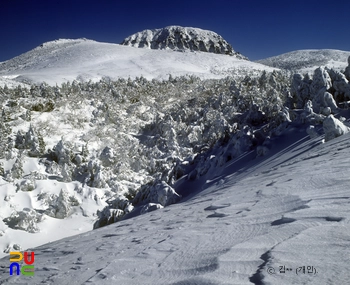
(304, 61)
(67, 60)
(289, 208)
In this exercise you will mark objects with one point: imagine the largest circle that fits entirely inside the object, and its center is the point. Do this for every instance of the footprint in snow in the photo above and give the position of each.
(282, 221)
(213, 207)
(334, 219)
(217, 215)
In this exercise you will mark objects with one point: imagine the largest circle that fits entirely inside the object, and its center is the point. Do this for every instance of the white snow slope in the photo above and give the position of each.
(255, 215)
(307, 60)
(83, 60)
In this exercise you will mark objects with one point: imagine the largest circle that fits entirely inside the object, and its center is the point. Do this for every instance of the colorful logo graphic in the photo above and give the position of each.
(28, 269)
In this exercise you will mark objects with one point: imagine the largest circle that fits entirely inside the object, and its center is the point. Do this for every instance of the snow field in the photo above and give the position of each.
(83, 60)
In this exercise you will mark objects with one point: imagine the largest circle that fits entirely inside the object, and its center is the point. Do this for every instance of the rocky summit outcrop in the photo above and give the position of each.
(180, 39)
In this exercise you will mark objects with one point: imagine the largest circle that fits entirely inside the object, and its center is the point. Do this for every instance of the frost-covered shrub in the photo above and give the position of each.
(17, 168)
(26, 185)
(328, 89)
(340, 85)
(324, 100)
(47, 106)
(321, 81)
(62, 206)
(46, 198)
(308, 115)
(25, 220)
(117, 207)
(333, 128)
(96, 178)
(5, 131)
(107, 156)
(35, 142)
(120, 202)
(20, 140)
(150, 207)
(108, 216)
(11, 111)
(66, 172)
(51, 167)
(300, 89)
(159, 192)
(254, 116)
(62, 152)
(163, 194)
(12, 247)
(61, 161)
(32, 141)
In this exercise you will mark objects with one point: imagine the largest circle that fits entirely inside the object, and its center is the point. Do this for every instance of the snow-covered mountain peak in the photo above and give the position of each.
(59, 42)
(181, 38)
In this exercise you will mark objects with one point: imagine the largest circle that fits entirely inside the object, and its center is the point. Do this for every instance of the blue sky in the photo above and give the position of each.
(256, 28)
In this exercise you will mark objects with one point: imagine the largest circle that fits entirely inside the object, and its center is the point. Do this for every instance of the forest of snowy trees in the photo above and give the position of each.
(135, 138)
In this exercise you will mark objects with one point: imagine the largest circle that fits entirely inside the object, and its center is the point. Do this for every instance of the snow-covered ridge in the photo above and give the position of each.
(36, 58)
(62, 42)
(308, 60)
(83, 60)
(181, 38)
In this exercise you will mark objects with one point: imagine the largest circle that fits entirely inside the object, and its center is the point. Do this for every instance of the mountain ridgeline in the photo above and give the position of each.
(308, 60)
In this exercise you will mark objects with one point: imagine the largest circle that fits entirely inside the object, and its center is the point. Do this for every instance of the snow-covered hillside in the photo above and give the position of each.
(83, 60)
(307, 60)
(181, 39)
(214, 170)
